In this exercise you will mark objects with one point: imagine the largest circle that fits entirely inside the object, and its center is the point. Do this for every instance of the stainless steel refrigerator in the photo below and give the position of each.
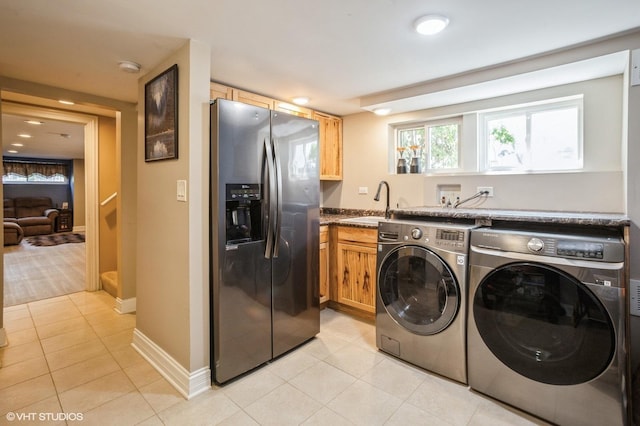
(264, 222)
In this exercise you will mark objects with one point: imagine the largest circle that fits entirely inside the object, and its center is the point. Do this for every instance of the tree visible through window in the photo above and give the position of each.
(540, 137)
(435, 146)
(443, 147)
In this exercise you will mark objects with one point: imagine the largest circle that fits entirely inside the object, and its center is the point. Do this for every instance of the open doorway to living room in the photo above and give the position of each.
(43, 186)
(78, 210)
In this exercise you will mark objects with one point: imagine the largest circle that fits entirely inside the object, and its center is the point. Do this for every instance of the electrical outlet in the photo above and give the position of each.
(363, 190)
(488, 189)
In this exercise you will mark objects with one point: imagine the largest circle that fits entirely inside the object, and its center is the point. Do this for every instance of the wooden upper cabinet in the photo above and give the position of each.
(217, 90)
(330, 146)
(253, 99)
(293, 109)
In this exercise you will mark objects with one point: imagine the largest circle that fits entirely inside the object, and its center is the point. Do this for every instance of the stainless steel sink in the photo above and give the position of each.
(365, 220)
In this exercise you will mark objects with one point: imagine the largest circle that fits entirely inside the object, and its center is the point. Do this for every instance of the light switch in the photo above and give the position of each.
(181, 190)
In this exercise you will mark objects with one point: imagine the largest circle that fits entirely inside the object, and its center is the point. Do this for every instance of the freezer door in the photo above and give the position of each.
(240, 274)
(295, 273)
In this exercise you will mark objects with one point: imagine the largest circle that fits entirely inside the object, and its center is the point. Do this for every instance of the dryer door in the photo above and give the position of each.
(543, 323)
(418, 290)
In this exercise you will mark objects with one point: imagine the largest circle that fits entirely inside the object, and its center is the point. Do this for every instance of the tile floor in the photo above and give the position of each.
(72, 354)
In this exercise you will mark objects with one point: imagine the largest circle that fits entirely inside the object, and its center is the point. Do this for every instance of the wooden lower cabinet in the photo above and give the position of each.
(356, 268)
(324, 264)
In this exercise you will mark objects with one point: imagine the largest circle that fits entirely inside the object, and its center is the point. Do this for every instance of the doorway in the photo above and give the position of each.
(89, 124)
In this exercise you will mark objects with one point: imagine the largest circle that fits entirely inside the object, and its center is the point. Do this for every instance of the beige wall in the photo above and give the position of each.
(127, 202)
(172, 251)
(599, 188)
(107, 185)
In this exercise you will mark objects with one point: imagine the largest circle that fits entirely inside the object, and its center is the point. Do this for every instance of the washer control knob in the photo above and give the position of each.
(416, 233)
(535, 245)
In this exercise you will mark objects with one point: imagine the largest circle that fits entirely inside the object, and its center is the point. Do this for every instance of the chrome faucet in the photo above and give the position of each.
(387, 214)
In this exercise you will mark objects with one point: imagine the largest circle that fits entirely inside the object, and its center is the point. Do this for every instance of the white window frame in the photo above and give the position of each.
(527, 109)
(425, 150)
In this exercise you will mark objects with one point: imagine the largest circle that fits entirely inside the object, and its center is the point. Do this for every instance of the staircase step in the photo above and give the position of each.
(109, 282)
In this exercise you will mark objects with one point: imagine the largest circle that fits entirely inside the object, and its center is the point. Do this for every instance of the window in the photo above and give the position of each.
(433, 145)
(40, 172)
(538, 137)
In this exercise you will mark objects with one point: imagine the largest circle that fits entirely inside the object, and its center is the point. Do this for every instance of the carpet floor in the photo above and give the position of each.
(55, 239)
(34, 273)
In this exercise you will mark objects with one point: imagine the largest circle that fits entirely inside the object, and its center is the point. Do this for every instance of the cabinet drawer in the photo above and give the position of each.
(358, 235)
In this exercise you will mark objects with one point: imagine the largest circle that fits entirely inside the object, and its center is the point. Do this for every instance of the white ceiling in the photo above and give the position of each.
(52, 139)
(334, 51)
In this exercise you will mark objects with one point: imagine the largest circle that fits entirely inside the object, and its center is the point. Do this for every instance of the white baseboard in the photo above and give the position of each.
(189, 384)
(125, 306)
(3, 339)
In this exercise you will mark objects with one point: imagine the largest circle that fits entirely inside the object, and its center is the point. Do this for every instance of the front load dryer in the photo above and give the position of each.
(421, 294)
(547, 323)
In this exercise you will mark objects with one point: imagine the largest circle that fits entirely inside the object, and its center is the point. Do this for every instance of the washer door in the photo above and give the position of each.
(418, 290)
(544, 324)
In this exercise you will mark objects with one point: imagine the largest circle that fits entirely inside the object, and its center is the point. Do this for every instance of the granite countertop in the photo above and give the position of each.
(331, 216)
(530, 216)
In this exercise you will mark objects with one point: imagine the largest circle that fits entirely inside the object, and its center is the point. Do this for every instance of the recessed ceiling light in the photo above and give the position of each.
(65, 102)
(34, 122)
(300, 100)
(24, 135)
(382, 111)
(431, 24)
(17, 144)
(129, 66)
(12, 151)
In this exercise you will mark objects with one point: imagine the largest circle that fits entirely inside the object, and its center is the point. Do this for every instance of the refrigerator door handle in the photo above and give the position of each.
(269, 187)
(278, 221)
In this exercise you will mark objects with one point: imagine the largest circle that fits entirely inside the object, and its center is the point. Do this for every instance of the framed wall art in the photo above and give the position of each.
(161, 116)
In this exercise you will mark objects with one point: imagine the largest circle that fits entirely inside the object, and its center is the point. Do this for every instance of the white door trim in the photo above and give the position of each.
(90, 122)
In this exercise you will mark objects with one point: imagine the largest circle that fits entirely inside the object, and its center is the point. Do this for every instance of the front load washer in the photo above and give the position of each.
(421, 297)
(547, 323)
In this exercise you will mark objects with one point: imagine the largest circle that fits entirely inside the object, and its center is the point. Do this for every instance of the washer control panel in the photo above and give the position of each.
(416, 233)
(447, 236)
(450, 238)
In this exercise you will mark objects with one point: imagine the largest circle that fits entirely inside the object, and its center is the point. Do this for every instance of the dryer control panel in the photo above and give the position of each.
(570, 246)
